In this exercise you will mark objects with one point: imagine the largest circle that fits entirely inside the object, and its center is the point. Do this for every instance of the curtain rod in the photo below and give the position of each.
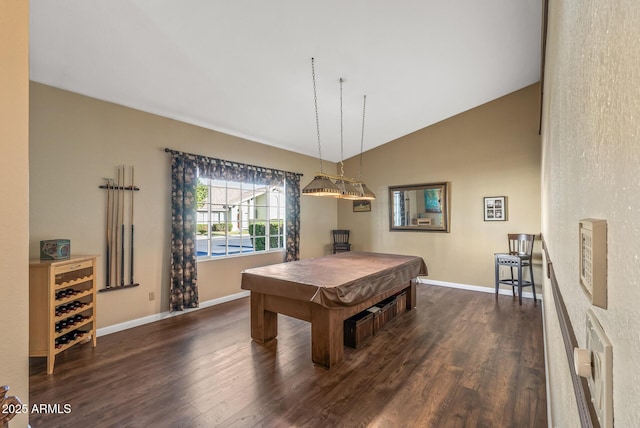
(177, 152)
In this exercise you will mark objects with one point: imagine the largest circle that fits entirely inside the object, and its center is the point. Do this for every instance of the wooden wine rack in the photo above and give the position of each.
(62, 305)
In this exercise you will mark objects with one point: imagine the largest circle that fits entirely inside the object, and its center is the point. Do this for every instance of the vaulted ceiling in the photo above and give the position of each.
(244, 67)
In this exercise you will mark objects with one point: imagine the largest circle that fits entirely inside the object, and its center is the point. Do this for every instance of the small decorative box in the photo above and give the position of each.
(55, 249)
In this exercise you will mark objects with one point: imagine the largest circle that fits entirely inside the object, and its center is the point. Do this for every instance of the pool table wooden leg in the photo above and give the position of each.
(411, 295)
(264, 324)
(327, 340)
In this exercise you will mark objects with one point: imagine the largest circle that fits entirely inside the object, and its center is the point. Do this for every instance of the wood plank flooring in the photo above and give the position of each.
(460, 359)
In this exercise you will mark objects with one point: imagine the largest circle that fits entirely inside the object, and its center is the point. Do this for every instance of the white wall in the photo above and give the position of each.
(591, 140)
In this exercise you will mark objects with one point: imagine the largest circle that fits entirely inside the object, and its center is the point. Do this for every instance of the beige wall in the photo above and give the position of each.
(76, 141)
(492, 150)
(14, 209)
(591, 140)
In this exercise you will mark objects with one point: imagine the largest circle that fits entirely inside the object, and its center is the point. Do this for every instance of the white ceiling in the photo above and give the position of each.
(244, 67)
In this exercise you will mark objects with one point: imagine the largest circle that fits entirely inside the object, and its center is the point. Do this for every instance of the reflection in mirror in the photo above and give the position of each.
(419, 207)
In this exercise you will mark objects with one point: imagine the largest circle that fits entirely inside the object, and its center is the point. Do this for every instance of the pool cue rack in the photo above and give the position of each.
(119, 236)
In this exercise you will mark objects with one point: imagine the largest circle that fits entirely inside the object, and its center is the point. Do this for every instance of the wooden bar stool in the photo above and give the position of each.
(518, 257)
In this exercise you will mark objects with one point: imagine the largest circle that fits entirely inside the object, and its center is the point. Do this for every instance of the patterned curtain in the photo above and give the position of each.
(399, 209)
(224, 170)
(403, 209)
(292, 190)
(183, 292)
(185, 168)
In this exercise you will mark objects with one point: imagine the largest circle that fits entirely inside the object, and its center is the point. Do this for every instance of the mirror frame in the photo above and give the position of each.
(442, 210)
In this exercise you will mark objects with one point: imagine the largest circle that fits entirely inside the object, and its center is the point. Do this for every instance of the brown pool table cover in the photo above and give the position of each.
(342, 279)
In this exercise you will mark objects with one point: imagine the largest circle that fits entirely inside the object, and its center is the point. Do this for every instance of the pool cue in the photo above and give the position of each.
(122, 229)
(131, 220)
(112, 226)
(116, 227)
(108, 235)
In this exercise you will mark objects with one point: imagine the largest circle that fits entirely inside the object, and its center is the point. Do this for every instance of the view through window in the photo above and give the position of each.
(237, 218)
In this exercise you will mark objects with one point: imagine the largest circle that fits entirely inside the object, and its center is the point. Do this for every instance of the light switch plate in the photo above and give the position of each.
(601, 379)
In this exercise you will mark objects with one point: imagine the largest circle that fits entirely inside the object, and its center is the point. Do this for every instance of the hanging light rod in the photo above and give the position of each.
(321, 185)
(336, 186)
(366, 193)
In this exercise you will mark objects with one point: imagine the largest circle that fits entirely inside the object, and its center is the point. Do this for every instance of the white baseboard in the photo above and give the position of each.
(505, 291)
(157, 317)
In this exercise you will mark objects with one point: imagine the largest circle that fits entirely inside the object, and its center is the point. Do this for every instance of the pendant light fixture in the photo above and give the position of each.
(330, 185)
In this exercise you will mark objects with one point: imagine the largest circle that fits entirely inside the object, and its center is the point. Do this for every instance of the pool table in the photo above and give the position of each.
(325, 291)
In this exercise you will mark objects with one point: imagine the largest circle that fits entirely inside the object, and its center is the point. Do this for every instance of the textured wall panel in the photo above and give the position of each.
(591, 153)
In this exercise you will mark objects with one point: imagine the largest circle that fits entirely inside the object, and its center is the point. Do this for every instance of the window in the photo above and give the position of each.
(237, 218)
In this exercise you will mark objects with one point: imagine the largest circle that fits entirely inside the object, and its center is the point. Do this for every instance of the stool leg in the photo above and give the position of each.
(533, 285)
(520, 282)
(513, 286)
(497, 276)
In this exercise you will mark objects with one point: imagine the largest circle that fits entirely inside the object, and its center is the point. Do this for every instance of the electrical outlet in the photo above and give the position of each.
(601, 379)
(152, 296)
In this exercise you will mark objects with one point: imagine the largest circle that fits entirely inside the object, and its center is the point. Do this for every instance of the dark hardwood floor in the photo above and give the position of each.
(460, 359)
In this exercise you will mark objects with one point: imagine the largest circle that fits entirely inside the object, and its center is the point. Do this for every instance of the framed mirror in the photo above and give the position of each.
(419, 207)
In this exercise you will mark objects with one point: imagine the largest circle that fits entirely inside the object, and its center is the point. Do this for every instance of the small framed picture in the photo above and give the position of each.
(361, 206)
(495, 208)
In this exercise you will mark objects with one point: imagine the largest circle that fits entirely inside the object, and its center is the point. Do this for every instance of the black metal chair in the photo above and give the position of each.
(518, 257)
(341, 241)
